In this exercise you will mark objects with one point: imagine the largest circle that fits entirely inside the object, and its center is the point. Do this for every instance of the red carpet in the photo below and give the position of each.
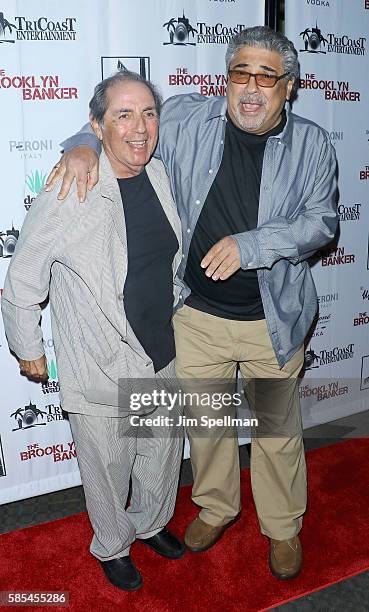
(233, 575)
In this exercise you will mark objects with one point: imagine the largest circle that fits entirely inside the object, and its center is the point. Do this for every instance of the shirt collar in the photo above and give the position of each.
(285, 135)
(218, 108)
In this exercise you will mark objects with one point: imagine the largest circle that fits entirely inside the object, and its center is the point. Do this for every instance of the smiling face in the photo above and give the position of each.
(129, 131)
(252, 108)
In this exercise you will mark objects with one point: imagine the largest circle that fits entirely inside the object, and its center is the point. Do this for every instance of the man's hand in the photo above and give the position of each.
(222, 260)
(35, 370)
(82, 164)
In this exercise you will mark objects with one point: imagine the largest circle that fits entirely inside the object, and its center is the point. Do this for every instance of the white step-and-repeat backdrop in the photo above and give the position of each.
(52, 54)
(332, 38)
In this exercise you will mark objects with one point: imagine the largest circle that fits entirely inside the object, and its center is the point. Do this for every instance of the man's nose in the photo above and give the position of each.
(251, 86)
(140, 125)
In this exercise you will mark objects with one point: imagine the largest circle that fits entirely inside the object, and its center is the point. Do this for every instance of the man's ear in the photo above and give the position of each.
(96, 128)
(289, 88)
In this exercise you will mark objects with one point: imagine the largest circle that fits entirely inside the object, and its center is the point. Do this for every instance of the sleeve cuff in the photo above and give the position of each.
(30, 353)
(248, 248)
(82, 140)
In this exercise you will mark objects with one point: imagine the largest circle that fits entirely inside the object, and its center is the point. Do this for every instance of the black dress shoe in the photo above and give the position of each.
(122, 573)
(166, 544)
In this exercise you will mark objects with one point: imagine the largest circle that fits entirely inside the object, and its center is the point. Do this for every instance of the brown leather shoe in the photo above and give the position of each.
(200, 536)
(285, 558)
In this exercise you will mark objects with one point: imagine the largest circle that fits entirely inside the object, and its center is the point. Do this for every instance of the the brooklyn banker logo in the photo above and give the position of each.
(110, 65)
(317, 42)
(39, 29)
(182, 32)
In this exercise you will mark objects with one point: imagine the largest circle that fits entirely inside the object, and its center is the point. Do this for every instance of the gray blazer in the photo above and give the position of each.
(77, 253)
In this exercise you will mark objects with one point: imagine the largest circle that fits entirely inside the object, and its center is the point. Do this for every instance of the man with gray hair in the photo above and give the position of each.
(255, 189)
(108, 266)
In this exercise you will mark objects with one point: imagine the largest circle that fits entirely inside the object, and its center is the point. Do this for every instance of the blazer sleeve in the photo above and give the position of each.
(28, 277)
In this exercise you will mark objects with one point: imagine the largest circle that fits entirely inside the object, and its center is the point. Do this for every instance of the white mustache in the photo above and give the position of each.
(252, 99)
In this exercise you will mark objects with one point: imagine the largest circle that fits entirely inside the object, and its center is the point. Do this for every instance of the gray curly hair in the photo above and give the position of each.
(266, 38)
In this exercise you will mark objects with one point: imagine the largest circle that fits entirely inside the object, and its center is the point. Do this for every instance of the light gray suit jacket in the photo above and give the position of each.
(77, 253)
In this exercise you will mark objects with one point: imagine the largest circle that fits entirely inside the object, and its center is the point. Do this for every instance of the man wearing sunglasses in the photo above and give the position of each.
(255, 189)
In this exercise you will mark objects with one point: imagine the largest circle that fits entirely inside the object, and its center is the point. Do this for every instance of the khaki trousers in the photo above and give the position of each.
(210, 347)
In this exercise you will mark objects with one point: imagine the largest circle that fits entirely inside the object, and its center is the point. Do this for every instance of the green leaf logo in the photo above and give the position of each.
(35, 181)
(52, 369)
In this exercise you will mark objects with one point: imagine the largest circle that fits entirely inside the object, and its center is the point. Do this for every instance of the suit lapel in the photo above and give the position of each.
(155, 171)
(110, 191)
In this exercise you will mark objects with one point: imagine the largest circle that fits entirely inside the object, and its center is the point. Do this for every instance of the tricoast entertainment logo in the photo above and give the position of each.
(31, 416)
(316, 42)
(8, 241)
(326, 356)
(349, 213)
(21, 28)
(181, 32)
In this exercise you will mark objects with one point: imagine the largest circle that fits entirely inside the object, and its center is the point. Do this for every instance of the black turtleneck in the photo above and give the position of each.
(231, 207)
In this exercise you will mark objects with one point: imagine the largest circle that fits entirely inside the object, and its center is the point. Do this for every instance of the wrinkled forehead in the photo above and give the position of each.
(257, 58)
(130, 95)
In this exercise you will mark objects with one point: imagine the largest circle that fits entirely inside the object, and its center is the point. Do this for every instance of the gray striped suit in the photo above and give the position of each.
(77, 253)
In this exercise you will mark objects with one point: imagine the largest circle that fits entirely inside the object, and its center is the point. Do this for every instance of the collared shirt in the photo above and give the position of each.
(297, 208)
(231, 206)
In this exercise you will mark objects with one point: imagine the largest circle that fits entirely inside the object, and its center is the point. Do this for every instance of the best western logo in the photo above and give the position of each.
(41, 29)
